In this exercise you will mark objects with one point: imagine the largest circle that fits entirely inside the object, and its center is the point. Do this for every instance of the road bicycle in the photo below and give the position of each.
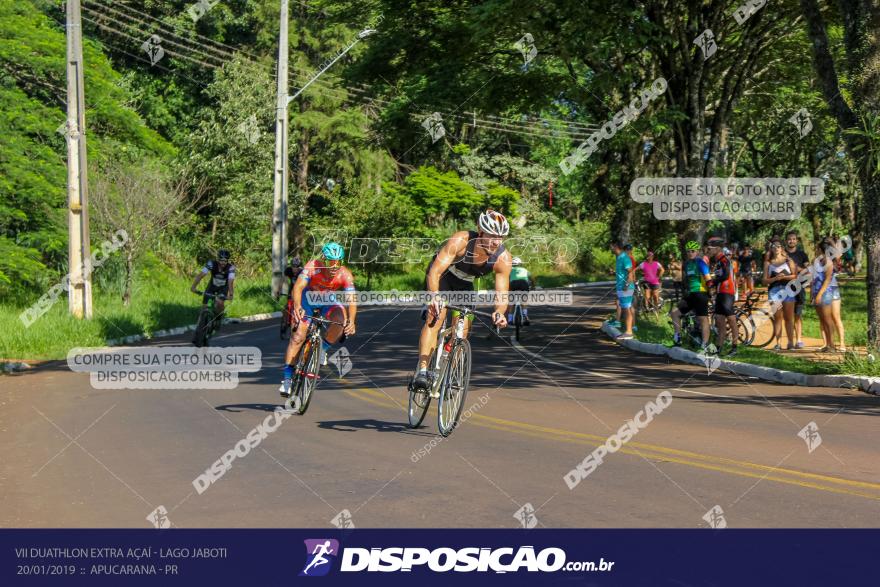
(286, 319)
(692, 336)
(209, 320)
(517, 318)
(307, 365)
(449, 374)
(661, 306)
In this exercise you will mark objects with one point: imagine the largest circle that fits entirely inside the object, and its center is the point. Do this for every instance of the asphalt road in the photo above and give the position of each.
(74, 456)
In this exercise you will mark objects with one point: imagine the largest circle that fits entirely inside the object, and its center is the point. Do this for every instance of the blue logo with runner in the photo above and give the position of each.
(320, 554)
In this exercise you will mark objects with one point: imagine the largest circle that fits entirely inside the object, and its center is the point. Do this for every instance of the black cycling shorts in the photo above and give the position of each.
(448, 282)
(519, 285)
(697, 302)
(724, 304)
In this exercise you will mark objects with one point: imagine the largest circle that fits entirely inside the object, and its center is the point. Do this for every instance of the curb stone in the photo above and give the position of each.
(182, 329)
(863, 382)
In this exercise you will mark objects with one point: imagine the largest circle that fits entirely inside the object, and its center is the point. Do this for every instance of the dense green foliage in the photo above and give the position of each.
(363, 165)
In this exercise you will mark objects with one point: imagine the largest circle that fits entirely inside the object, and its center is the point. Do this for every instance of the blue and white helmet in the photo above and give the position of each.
(333, 252)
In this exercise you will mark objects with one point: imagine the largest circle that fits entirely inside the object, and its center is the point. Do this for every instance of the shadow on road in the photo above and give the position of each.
(367, 424)
(236, 408)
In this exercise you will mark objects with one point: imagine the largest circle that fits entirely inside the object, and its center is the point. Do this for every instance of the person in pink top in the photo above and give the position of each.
(652, 273)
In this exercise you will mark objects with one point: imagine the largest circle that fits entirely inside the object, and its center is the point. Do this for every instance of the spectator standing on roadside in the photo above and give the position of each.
(778, 271)
(652, 273)
(724, 282)
(675, 269)
(625, 287)
(826, 296)
(747, 269)
(801, 262)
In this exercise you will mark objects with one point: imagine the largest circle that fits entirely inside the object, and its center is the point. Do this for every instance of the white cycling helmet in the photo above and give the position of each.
(516, 261)
(494, 223)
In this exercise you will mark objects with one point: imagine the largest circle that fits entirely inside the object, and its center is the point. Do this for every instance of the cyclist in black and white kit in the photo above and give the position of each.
(222, 279)
(466, 255)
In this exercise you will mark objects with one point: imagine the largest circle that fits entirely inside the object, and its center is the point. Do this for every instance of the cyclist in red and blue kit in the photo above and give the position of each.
(724, 281)
(320, 275)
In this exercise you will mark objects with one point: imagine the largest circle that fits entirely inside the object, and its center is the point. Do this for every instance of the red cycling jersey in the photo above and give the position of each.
(318, 277)
(725, 275)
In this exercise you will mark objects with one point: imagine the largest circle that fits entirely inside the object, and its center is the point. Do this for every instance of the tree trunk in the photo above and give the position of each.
(129, 272)
(861, 20)
(871, 193)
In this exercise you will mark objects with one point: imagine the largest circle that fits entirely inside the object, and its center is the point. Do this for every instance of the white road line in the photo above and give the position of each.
(703, 393)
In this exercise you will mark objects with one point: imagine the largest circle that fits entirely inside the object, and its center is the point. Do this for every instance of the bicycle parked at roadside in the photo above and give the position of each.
(449, 374)
(645, 304)
(752, 317)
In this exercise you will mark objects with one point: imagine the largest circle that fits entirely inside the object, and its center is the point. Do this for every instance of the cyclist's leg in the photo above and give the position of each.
(333, 332)
(701, 309)
(428, 337)
(677, 312)
(297, 338)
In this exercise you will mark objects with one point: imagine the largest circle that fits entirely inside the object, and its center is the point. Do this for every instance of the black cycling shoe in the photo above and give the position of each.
(526, 322)
(421, 381)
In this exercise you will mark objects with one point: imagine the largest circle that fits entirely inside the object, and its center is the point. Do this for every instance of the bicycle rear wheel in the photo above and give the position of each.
(454, 387)
(285, 323)
(763, 322)
(745, 328)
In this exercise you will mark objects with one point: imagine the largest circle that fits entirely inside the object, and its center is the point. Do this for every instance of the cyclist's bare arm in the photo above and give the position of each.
(231, 289)
(502, 286)
(351, 314)
(297, 298)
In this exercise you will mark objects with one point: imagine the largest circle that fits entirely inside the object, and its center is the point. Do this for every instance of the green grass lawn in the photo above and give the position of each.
(160, 300)
(659, 330)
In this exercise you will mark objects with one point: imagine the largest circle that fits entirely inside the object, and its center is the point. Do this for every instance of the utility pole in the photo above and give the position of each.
(279, 207)
(78, 252)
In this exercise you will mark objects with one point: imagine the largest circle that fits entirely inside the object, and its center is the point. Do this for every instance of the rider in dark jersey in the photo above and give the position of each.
(222, 279)
(291, 272)
(465, 256)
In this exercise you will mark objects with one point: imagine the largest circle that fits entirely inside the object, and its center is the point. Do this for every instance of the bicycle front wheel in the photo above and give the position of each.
(307, 378)
(454, 387)
(201, 337)
(517, 319)
(419, 399)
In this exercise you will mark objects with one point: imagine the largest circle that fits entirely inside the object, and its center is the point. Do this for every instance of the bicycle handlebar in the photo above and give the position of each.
(461, 309)
(326, 321)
